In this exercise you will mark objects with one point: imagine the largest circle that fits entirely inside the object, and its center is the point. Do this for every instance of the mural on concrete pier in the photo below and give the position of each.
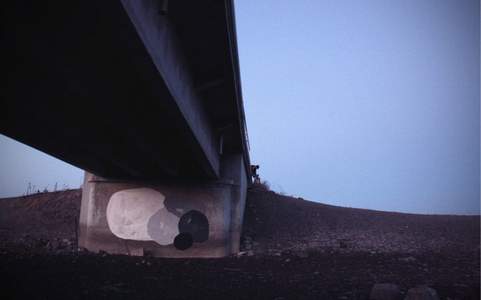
(144, 214)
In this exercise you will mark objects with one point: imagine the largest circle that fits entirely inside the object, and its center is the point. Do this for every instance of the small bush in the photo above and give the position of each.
(262, 185)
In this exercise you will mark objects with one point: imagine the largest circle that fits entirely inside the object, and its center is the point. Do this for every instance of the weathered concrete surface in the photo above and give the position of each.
(233, 169)
(176, 219)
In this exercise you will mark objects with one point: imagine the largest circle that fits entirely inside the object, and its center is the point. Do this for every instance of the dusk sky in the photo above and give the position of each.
(368, 104)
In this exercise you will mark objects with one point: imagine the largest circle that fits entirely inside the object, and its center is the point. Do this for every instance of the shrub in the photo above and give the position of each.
(262, 185)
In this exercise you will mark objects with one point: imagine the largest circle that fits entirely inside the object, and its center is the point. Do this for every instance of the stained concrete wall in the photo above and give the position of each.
(137, 218)
(233, 169)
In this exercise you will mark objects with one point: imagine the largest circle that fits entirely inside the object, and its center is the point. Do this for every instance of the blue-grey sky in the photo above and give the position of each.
(21, 165)
(371, 104)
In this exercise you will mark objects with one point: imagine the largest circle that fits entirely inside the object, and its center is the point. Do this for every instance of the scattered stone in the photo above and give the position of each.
(302, 254)
(145, 262)
(385, 291)
(408, 259)
(82, 250)
(343, 243)
(422, 293)
(114, 288)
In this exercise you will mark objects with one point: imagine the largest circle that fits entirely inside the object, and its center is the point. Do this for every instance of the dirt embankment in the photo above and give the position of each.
(39, 220)
(291, 249)
(276, 223)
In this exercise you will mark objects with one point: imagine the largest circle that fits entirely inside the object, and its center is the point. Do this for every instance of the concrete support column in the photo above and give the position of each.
(233, 169)
(174, 219)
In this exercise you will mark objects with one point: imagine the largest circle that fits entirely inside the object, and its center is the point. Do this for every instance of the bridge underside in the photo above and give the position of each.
(123, 89)
(146, 96)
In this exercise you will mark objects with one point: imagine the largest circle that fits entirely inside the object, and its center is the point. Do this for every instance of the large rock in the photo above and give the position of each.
(385, 291)
(422, 293)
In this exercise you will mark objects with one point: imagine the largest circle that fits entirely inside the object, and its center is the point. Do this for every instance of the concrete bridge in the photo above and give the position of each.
(146, 97)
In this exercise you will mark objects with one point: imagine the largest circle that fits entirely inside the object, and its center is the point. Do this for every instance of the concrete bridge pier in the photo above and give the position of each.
(165, 219)
(140, 89)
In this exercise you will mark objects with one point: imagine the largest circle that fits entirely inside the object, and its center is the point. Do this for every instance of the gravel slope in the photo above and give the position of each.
(292, 249)
(277, 223)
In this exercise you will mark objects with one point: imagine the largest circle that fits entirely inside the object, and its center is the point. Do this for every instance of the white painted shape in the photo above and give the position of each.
(130, 211)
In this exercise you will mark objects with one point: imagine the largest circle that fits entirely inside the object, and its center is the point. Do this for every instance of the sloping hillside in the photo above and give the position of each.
(33, 221)
(276, 223)
(291, 249)
(273, 224)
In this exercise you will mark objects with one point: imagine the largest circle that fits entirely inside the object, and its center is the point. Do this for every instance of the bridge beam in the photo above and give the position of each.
(105, 86)
(161, 42)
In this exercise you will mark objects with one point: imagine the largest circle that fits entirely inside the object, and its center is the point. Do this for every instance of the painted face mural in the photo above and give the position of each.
(143, 214)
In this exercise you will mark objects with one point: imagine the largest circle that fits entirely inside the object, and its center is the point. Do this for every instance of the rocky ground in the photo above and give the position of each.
(291, 249)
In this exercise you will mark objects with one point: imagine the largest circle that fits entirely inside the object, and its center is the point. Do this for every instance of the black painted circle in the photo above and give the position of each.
(183, 241)
(195, 223)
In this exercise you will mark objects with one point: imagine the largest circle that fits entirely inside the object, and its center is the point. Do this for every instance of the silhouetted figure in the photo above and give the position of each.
(256, 177)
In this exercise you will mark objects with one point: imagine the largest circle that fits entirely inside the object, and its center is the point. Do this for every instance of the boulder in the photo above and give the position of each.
(422, 293)
(385, 291)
